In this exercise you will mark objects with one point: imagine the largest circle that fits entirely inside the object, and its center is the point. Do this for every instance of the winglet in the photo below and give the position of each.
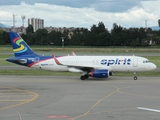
(19, 116)
(53, 55)
(56, 60)
(73, 53)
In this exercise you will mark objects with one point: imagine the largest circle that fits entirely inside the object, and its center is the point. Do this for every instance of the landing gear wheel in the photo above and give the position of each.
(82, 77)
(135, 78)
(86, 76)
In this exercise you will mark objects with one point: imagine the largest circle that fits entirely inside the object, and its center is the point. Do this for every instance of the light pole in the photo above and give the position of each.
(62, 41)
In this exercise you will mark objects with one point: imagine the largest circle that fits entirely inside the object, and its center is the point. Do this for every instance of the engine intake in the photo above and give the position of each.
(99, 73)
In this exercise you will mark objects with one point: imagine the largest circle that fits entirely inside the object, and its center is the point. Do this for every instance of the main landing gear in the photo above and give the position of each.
(86, 76)
(135, 76)
(83, 77)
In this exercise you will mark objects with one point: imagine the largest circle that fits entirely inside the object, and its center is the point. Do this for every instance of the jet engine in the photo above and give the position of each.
(99, 73)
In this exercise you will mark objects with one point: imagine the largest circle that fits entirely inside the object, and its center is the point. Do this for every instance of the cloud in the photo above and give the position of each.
(100, 5)
(65, 16)
(114, 5)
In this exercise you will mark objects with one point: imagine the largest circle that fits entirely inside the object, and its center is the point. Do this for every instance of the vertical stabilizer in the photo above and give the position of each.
(20, 47)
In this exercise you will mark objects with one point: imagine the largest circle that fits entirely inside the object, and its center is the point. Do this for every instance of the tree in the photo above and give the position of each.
(142, 36)
(149, 36)
(116, 29)
(98, 29)
(55, 38)
(135, 42)
(79, 36)
(104, 39)
(6, 37)
(156, 37)
(117, 35)
(1, 37)
(94, 29)
(159, 22)
(29, 29)
(41, 37)
(101, 27)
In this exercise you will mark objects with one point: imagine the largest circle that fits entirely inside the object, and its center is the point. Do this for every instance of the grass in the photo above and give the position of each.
(50, 73)
(154, 59)
(150, 73)
(101, 50)
(35, 72)
(89, 49)
(3, 61)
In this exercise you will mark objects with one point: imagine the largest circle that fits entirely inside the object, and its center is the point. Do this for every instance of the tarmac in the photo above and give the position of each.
(68, 98)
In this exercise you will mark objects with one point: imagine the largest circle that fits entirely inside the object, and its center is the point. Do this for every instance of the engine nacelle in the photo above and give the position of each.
(99, 73)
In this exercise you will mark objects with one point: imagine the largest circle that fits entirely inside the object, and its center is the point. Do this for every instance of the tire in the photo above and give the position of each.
(82, 77)
(86, 76)
(135, 78)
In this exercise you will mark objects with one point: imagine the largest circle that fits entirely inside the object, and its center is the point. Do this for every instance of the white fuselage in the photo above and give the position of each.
(112, 63)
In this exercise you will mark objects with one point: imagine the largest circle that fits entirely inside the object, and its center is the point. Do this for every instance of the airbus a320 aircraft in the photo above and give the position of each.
(89, 66)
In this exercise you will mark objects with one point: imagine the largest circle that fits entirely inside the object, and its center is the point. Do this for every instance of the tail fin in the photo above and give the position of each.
(20, 47)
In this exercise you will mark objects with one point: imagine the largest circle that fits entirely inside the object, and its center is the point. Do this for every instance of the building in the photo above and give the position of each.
(36, 23)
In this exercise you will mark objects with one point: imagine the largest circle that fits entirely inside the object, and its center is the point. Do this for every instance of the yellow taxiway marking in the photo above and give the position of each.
(118, 90)
(13, 100)
(21, 102)
(88, 112)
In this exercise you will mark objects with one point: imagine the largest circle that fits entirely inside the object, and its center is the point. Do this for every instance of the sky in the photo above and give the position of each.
(82, 13)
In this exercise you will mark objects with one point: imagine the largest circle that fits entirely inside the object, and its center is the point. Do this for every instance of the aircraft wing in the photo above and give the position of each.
(88, 68)
(82, 67)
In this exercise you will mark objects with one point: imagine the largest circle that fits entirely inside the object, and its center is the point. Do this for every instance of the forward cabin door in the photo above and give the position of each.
(135, 62)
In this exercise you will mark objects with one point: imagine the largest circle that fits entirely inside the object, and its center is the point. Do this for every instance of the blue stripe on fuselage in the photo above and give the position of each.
(30, 60)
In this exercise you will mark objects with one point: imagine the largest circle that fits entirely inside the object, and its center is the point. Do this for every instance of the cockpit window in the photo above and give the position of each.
(146, 61)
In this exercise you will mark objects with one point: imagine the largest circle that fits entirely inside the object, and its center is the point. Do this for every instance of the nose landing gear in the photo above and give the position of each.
(135, 76)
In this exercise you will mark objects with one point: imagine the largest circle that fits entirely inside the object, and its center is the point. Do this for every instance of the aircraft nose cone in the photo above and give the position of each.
(154, 66)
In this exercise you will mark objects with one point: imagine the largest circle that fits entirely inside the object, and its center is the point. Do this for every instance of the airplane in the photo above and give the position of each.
(89, 66)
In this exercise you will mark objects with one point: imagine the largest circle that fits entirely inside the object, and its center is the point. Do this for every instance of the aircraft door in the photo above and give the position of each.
(135, 62)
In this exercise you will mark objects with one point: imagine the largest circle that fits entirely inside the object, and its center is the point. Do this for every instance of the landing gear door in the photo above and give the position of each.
(135, 62)
(36, 61)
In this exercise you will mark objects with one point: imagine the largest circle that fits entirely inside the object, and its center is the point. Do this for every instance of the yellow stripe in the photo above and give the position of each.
(19, 49)
(13, 100)
(85, 114)
(23, 102)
